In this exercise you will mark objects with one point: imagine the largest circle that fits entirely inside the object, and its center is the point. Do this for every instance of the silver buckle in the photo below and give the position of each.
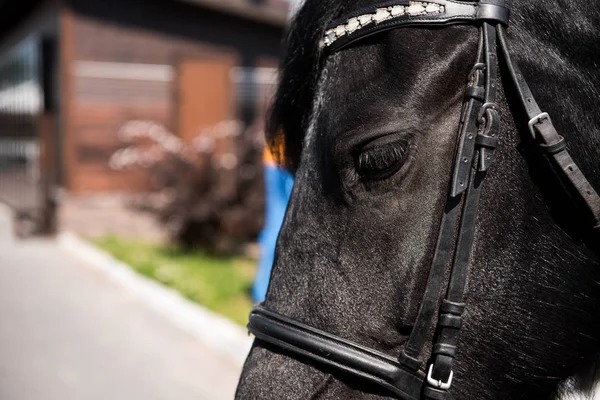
(536, 120)
(439, 384)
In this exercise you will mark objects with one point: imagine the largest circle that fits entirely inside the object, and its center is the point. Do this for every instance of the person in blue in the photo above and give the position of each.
(278, 186)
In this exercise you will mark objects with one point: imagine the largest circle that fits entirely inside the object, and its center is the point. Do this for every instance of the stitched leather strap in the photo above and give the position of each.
(333, 351)
(548, 138)
(445, 347)
(411, 355)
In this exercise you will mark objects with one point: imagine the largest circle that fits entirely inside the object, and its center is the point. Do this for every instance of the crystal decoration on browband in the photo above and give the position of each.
(416, 8)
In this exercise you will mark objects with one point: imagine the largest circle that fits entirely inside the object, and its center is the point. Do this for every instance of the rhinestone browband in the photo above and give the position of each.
(416, 8)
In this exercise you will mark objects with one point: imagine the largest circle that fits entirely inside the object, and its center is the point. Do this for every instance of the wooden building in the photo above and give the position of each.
(73, 72)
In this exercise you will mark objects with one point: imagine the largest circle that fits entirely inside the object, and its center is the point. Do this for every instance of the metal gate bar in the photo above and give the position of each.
(20, 110)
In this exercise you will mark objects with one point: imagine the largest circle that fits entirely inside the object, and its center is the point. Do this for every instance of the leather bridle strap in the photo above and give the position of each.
(335, 352)
(551, 143)
(445, 348)
(474, 99)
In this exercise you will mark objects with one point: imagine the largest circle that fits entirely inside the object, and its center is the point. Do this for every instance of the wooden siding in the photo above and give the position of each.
(203, 95)
(124, 84)
(267, 11)
(107, 39)
(107, 93)
(97, 127)
(66, 49)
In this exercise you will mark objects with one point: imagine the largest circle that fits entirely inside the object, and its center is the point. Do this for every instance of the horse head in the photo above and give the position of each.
(375, 129)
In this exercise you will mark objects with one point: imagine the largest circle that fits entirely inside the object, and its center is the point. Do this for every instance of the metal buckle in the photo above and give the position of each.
(536, 120)
(477, 67)
(439, 384)
(484, 108)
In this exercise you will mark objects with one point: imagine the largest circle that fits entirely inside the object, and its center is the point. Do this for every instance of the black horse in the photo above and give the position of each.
(370, 132)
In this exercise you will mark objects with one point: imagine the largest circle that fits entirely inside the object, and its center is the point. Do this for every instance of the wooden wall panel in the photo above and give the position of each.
(204, 95)
(100, 40)
(199, 45)
(97, 127)
(107, 93)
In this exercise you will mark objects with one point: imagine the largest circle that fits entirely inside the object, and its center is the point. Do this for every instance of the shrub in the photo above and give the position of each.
(208, 193)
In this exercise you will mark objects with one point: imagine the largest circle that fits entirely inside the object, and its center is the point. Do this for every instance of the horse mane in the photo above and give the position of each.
(299, 74)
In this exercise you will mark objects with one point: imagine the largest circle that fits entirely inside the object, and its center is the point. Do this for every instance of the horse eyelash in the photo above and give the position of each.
(381, 158)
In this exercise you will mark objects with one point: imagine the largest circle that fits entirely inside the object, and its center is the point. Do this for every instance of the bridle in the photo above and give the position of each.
(409, 377)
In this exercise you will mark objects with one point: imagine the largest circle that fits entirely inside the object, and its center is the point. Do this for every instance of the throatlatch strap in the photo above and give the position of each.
(546, 136)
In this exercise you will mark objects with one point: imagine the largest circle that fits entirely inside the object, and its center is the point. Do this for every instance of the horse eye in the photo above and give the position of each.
(382, 161)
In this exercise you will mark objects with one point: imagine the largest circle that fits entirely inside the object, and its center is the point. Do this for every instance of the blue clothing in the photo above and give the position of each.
(278, 184)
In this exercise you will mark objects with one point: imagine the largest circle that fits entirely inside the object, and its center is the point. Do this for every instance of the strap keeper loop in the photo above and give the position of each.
(450, 321)
(493, 10)
(445, 350)
(412, 363)
(555, 147)
(490, 142)
(431, 393)
(474, 92)
(450, 307)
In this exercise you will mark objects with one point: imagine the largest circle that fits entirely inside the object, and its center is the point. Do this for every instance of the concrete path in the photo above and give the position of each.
(67, 332)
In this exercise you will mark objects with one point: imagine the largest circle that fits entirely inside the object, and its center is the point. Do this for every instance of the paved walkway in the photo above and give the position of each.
(101, 215)
(68, 333)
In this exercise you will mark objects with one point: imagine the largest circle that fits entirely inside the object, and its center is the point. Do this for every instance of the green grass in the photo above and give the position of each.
(219, 284)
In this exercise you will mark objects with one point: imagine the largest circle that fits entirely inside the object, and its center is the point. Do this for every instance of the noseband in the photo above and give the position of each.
(410, 377)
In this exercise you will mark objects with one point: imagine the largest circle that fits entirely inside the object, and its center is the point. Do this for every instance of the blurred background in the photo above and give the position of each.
(132, 185)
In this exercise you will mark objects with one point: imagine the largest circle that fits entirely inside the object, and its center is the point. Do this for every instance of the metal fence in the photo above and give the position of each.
(20, 109)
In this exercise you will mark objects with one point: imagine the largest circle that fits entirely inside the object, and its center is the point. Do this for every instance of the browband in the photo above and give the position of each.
(392, 15)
